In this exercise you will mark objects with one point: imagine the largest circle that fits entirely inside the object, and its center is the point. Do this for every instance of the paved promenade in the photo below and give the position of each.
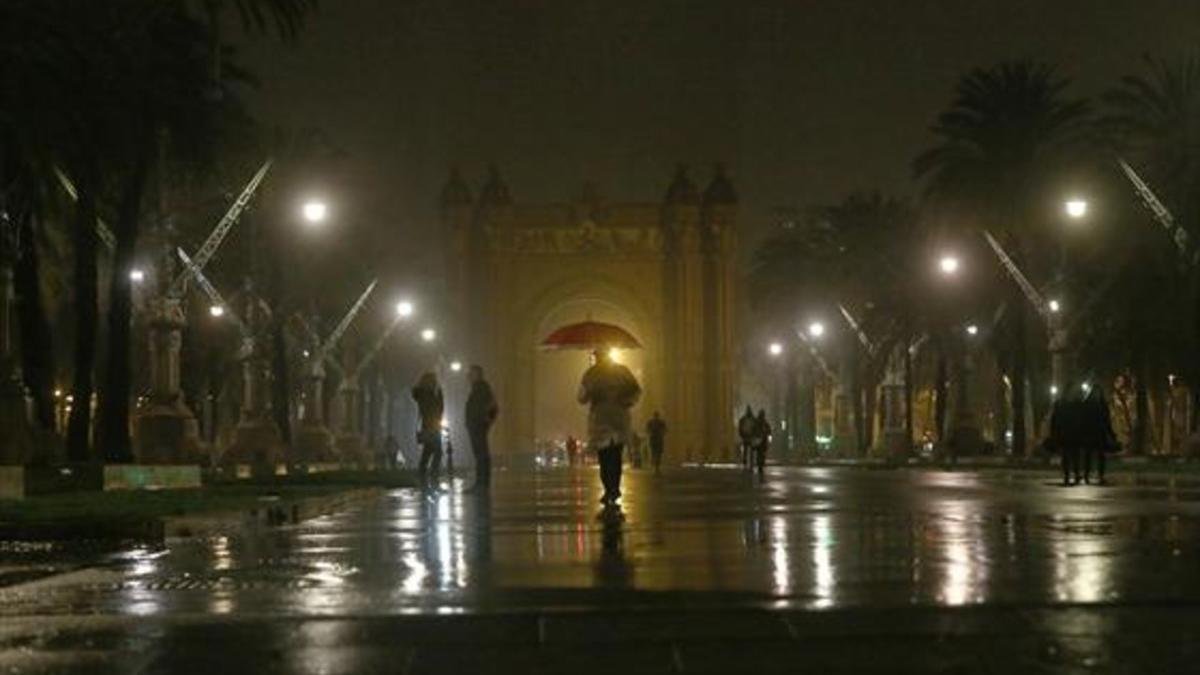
(704, 570)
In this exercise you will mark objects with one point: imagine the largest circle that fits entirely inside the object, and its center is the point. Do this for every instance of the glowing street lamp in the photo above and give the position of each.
(1054, 306)
(217, 311)
(1076, 208)
(816, 329)
(775, 349)
(404, 309)
(456, 366)
(972, 330)
(315, 211)
(429, 335)
(136, 275)
(949, 265)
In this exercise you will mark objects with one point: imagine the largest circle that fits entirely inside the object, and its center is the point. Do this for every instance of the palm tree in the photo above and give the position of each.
(1153, 119)
(1008, 136)
(860, 254)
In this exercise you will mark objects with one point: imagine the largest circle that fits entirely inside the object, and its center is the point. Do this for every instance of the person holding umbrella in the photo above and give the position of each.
(609, 390)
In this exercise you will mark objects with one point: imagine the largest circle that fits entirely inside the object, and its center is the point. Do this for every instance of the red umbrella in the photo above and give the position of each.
(590, 335)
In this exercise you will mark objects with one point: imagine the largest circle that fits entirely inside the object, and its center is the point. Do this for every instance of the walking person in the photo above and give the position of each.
(747, 427)
(481, 412)
(609, 389)
(656, 431)
(1097, 438)
(762, 440)
(1065, 435)
(431, 408)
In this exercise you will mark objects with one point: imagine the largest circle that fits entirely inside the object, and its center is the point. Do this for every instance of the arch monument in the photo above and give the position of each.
(666, 272)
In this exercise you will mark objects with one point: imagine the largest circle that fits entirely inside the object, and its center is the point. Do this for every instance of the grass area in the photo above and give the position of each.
(143, 505)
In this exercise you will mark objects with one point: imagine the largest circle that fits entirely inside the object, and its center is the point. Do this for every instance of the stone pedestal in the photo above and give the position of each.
(314, 442)
(165, 431)
(257, 441)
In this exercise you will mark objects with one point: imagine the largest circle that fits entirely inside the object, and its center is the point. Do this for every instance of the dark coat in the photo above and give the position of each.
(431, 408)
(482, 409)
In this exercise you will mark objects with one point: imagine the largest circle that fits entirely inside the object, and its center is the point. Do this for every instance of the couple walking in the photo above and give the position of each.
(479, 414)
(1081, 430)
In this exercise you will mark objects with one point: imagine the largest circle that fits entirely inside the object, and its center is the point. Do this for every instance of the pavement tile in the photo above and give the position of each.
(685, 625)
(907, 621)
(574, 659)
(848, 655)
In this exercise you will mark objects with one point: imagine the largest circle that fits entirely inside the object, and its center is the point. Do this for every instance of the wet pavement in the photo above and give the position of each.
(703, 569)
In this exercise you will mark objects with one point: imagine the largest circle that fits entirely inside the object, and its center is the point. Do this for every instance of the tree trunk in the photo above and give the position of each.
(79, 425)
(113, 423)
(856, 405)
(37, 343)
(941, 394)
(908, 399)
(1020, 368)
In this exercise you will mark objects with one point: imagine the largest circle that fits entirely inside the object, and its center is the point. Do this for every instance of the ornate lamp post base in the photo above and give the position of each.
(314, 445)
(167, 433)
(256, 442)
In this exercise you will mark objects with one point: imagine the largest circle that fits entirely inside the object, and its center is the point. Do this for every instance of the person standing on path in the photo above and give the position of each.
(747, 427)
(481, 412)
(656, 431)
(609, 389)
(1097, 437)
(1066, 435)
(762, 440)
(431, 408)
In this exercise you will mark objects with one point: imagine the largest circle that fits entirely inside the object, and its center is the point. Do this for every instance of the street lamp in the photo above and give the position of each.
(775, 349)
(1076, 208)
(136, 275)
(456, 366)
(1054, 306)
(949, 265)
(972, 330)
(404, 309)
(315, 211)
(429, 335)
(816, 329)
(217, 311)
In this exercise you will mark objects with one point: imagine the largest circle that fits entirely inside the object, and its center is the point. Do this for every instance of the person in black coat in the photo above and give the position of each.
(481, 413)
(1066, 435)
(1096, 433)
(431, 409)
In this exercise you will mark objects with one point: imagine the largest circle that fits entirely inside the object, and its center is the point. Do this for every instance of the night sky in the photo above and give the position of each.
(804, 101)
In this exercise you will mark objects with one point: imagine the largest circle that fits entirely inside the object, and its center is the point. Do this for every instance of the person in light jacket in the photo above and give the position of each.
(609, 389)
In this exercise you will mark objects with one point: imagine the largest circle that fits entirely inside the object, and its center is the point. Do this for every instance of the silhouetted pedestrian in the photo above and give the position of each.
(747, 427)
(762, 440)
(1066, 420)
(610, 390)
(656, 431)
(1097, 437)
(481, 413)
(431, 408)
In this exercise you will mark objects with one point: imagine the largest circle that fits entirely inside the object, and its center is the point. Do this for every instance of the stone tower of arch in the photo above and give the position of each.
(666, 272)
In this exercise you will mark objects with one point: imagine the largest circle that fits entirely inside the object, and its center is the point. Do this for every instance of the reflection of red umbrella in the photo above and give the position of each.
(590, 335)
